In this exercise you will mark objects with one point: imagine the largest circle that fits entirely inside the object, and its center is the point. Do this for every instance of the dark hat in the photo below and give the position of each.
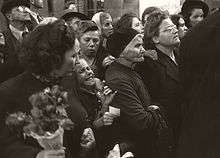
(117, 41)
(70, 13)
(191, 4)
(7, 5)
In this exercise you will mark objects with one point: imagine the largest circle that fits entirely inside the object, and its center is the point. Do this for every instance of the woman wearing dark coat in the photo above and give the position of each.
(138, 122)
(200, 73)
(47, 55)
(161, 76)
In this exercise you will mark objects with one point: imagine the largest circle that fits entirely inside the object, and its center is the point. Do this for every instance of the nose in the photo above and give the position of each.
(185, 29)
(110, 26)
(199, 19)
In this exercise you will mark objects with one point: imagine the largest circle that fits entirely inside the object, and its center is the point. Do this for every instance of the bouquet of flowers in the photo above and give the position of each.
(47, 119)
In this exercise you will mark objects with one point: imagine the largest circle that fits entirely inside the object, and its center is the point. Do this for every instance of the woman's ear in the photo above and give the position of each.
(9, 16)
(155, 39)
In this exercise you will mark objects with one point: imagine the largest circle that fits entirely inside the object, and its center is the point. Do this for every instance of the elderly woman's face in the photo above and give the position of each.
(196, 16)
(136, 25)
(107, 28)
(134, 51)
(84, 73)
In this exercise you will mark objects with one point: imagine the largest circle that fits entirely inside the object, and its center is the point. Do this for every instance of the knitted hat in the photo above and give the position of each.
(7, 5)
(191, 4)
(117, 42)
(70, 13)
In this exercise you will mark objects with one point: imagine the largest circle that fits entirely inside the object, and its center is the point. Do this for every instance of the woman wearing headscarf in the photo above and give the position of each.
(200, 73)
(104, 22)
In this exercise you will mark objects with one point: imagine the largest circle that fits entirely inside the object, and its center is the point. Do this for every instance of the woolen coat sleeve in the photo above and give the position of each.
(133, 113)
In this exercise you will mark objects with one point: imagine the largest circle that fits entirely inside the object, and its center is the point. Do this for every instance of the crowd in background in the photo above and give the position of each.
(143, 88)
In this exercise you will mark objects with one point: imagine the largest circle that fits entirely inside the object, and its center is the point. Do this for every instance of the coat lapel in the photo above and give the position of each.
(171, 67)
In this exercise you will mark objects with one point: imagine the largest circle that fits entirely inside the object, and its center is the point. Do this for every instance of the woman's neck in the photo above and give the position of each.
(20, 25)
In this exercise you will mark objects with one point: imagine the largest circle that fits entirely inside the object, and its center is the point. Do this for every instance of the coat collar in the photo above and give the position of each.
(171, 67)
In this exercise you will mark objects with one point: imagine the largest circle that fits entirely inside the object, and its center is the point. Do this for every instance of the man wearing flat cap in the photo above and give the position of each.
(10, 39)
(72, 17)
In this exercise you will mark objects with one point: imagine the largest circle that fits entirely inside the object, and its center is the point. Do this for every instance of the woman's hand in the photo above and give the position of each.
(108, 60)
(51, 154)
(108, 118)
(87, 140)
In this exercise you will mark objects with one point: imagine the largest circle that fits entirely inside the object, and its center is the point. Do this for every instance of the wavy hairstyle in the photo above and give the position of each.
(125, 22)
(44, 48)
(151, 28)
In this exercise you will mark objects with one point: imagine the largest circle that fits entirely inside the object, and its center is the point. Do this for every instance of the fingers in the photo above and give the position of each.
(108, 118)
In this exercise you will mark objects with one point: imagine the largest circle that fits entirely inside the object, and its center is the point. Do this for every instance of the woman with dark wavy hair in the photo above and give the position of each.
(47, 55)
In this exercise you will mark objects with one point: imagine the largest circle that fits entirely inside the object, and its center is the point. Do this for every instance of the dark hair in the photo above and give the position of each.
(86, 26)
(151, 28)
(125, 22)
(44, 48)
(189, 6)
(175, 19)
(147, 11)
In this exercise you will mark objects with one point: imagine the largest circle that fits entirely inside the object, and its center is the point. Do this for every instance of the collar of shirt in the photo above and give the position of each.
(17, 33)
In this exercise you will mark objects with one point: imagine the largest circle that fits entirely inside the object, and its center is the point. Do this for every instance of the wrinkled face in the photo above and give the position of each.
(19, 13)
(134, 51)
(84, 73)
(136, 25)
(68, 60)
(168, 34)
(89, 43)
(107, 28)
(182, 28)
(196, 16)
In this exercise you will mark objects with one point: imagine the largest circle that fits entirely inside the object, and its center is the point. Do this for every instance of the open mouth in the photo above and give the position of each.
(91, 78)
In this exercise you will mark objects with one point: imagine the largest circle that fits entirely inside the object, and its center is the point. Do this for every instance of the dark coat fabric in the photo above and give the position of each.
(200, 74)
(161, 77)
(14, 95)
(10, 67)
(136, 123)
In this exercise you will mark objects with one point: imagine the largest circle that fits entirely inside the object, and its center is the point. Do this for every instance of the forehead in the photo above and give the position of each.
(166, 23)
(81, 64)
(91, 34)
(20, 8)
(138, 39)
(196, 11)
(105, 16)
(135, 20)
(181, 21)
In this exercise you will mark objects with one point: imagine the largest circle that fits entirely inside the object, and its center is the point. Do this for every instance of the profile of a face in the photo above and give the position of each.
(168, 34)
(197, 15)
(106, 26)
(182, 29)
(134, 51)
(137, 25)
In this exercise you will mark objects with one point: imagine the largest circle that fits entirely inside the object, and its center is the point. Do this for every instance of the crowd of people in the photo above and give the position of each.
(143, 88)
